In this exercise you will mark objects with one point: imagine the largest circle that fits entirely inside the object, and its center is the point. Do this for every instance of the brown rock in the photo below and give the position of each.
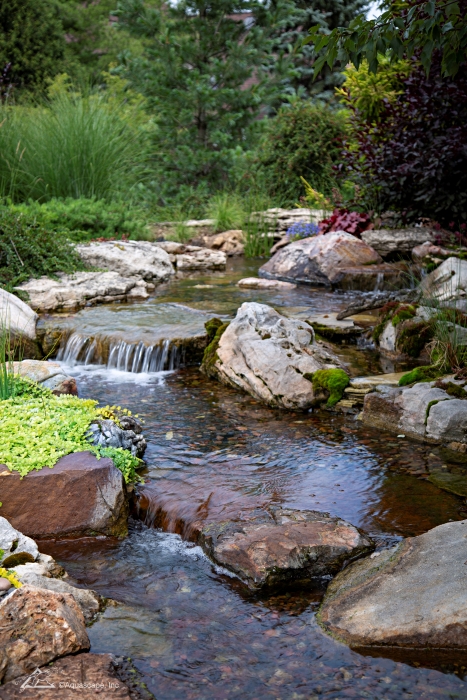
(36, 627)
(85, 676)
(379, 409)
(290, 545)
(230, 242)
(79, 496)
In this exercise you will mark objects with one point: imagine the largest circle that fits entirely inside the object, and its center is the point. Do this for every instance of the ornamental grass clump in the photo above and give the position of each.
(38, 428)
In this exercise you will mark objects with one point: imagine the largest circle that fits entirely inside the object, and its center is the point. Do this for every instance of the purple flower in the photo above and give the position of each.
(302, 230)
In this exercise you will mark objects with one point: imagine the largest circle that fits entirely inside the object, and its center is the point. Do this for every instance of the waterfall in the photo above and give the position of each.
(118, 354)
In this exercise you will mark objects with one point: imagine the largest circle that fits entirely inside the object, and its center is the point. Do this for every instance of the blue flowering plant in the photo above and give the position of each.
(302, 230)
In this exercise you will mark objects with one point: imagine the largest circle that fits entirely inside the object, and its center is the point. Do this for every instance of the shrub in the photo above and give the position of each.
(413, 159)
(29, 249)
(344, 220)
(86, 218)
(74, 147)
(303, 140)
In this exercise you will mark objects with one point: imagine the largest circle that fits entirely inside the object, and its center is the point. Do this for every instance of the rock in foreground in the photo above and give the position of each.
(86, 676)
(336, 259)
(15, 548)
(291, 545)
(36, 627)
(267, 355)
(70, 292)
(79, 496)
(410, 596)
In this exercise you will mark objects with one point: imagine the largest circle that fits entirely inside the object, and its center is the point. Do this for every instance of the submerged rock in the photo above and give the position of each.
(261, 283)
(336, 259)
(86, 676)
(16, 547)
(80, 495)
(70, 292)
(397, 240)
(20, 320)
(290, 545)
(138, 259)
(411, 596)
(50, 375)
(267, 355)
(36, 627)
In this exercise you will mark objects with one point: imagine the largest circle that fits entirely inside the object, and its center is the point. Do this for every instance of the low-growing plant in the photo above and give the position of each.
(333, 381)
(302, 230)
(29, 249)
(11, 576)
(38, 428)
(353, 222)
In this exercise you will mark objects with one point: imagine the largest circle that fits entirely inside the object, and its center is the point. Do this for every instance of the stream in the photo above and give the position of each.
(191, 629)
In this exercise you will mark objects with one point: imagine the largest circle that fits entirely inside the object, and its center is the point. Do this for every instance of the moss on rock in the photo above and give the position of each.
(333, 381)
(215, 328)
(425, 373)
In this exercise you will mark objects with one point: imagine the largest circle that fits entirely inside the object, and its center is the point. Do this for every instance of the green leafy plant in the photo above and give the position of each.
(11, 577)
(227, 211)
(28, 249)
(38, 428)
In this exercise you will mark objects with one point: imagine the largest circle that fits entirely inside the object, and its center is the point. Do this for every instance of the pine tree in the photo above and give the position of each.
(207, 73)
(32, 41)
(328, 14)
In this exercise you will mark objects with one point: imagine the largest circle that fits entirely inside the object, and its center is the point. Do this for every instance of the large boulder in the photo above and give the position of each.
(411, 596)
(21, 322)
(397, 240)
(49, 375)
(267, 355)
(36, 627)
(290, 545)
(70, 292)
(336, 259)
(86, 676)
(447, 285)
(79, 496)
(129, 259)
(15, 548)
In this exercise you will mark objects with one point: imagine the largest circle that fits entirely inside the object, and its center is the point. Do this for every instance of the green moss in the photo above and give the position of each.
(425, 373)
(456, 390)
(38, 428)
(332, 380)
(403, 314)
(427, 412)
(211, 327)
(210, 354)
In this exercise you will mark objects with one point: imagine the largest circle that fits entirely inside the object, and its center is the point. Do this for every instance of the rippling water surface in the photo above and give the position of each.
(192, 630)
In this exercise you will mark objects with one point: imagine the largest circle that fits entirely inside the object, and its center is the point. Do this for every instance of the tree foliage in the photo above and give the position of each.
(413, 157)
(32, 41)
(405, 28)
(207, 74)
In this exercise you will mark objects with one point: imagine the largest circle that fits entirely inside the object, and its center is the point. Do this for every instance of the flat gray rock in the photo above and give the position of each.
(412, 596)
(400, 240)
(129, 259)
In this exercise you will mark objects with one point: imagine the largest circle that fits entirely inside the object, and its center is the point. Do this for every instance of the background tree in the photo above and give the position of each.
(207, 73)
(32, 41)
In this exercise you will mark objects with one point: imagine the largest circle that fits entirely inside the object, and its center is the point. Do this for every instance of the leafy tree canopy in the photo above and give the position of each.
(404, 29)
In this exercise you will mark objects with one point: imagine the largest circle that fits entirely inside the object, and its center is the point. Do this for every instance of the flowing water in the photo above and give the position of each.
(192, 630)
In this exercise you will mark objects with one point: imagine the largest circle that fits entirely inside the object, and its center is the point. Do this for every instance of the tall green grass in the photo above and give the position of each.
(74, 146)
(228, 211)
(10, 347)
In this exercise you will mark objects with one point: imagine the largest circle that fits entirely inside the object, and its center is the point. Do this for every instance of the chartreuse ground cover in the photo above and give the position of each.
(37, 428)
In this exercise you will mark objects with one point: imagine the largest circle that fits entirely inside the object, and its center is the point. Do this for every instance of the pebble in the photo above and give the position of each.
(5, 585)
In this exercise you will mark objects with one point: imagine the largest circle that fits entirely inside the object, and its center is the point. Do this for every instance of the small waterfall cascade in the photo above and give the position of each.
(118, 354)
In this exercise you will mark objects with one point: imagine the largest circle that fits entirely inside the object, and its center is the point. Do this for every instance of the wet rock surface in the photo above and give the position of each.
(397, 240)
(50, 375)
(411, 596)
(16, 547)
(336, 259)
(262, 283)
(138, 259)
(80, 495)
(70, 292)
(36, 627)
(266, 354)
(86, 676)
(289, 545)
(106, 433)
